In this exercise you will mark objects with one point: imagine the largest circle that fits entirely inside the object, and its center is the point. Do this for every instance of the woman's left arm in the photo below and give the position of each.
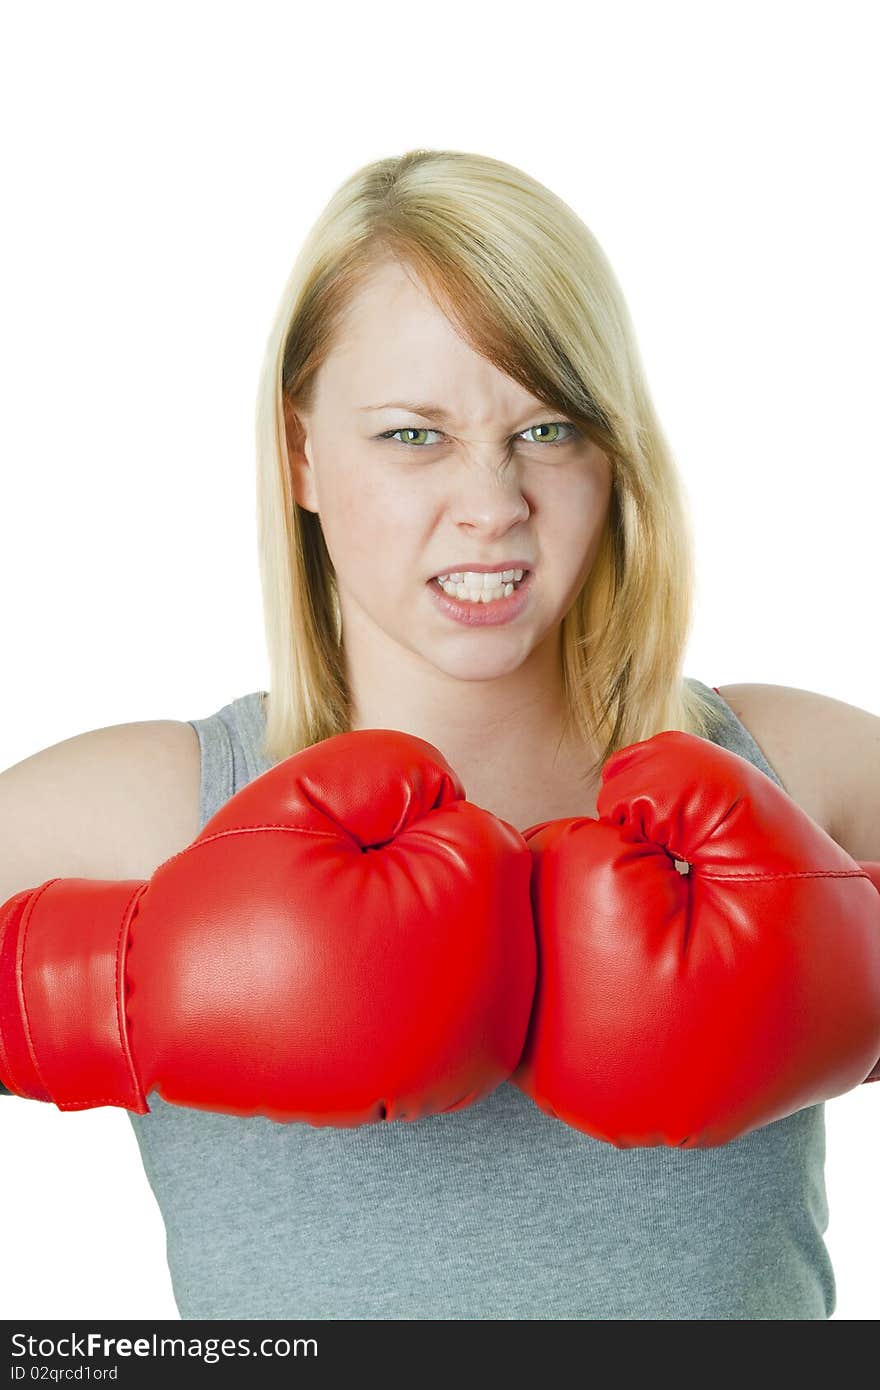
(826, 754)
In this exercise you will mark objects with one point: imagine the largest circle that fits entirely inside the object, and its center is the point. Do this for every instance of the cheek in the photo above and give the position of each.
(377, 528)
(575, 524)
(573, 529)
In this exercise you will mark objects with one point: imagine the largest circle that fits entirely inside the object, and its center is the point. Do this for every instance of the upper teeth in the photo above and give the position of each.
(479, 587)
(476, 579)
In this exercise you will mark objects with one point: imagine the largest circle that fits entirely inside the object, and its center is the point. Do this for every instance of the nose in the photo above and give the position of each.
(488, 498)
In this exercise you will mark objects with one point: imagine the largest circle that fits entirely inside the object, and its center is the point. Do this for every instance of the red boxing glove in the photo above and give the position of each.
(347, 940)
(687, 1009)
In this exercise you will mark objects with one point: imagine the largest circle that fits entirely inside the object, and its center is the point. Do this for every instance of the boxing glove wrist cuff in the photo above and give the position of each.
(872, 869)
(63, 1029)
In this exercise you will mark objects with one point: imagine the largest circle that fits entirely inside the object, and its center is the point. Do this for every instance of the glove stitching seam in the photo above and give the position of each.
(792, 873)
(123, 1023)
(247, 830)
(25, 923)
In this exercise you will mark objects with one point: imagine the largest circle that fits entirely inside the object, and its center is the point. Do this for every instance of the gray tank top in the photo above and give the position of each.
(497, 1211)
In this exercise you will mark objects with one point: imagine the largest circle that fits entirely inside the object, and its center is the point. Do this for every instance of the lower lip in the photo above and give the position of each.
(499, 610)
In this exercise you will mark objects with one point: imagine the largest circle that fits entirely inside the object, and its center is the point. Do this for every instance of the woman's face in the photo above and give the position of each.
(497, 479)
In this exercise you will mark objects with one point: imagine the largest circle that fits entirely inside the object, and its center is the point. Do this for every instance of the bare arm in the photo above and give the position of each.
(112, 803)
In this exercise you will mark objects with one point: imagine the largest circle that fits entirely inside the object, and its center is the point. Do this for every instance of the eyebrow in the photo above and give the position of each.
(425, 408)
(428, 410)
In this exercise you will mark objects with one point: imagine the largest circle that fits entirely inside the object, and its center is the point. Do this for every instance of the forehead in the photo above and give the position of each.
(397, 344)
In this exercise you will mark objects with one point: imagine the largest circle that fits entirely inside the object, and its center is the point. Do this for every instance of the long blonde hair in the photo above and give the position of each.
(528, 285)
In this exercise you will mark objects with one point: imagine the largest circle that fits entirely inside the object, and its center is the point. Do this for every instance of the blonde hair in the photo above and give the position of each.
(529, 287)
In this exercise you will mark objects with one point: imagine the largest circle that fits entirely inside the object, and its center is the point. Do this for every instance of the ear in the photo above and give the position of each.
(302, 474)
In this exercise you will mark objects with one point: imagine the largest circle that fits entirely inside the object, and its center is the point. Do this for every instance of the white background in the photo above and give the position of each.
(161, 166)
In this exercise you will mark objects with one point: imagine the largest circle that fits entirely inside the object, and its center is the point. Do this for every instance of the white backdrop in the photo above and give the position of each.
(161, 166)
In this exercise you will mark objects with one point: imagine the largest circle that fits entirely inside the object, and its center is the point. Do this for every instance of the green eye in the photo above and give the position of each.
(408, 429)
(552, 425)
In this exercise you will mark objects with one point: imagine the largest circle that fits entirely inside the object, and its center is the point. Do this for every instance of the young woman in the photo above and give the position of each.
(471, 530)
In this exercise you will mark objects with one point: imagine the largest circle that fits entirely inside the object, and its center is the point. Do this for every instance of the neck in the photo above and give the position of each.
(508, 731)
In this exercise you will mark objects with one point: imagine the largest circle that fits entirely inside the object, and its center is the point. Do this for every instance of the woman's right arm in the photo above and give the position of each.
(112, 803)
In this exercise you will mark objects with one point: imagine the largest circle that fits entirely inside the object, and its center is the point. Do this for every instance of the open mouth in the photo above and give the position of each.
(501, 586)
(494, 605)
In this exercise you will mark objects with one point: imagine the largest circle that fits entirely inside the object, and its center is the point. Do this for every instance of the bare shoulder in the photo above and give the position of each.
(109, 803)
(825, 751)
